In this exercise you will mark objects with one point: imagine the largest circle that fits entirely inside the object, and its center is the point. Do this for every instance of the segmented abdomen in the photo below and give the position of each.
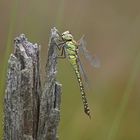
(73, 61)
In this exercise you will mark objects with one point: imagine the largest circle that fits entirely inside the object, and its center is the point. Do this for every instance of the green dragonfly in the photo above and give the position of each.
(70, 48)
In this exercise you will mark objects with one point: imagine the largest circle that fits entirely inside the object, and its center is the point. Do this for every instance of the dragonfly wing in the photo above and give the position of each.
(83, 72)
(93, 59)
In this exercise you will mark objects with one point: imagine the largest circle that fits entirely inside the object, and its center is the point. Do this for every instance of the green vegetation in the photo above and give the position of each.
(3, 69)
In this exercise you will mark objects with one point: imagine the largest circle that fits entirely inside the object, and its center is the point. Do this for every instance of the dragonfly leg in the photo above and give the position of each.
(63, 53)
(60, 45)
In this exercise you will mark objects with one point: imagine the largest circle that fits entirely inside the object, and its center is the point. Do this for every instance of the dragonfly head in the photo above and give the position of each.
(67, 36)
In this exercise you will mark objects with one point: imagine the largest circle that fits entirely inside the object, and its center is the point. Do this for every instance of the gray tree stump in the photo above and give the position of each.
(31, 113)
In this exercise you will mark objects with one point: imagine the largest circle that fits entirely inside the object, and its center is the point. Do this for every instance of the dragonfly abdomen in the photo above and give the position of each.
(84, 99)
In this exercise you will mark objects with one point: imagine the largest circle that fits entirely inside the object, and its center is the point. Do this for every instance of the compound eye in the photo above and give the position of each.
(65, 33)
(68, 32)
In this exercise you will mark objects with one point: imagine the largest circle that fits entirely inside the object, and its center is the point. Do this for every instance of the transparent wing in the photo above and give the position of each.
(82, 71)
(85, 78)
(93, 59)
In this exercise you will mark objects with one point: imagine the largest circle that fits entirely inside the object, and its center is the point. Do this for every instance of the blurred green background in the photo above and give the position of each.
(112, 30)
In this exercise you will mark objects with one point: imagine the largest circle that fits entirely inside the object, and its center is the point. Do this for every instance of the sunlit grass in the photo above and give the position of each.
(60, 14)
(5, 60)
(125, 99)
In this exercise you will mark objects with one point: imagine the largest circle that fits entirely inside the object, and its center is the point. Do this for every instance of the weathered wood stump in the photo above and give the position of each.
(31, 113)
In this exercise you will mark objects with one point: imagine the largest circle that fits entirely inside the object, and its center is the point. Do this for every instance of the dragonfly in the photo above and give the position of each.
(70, 49)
